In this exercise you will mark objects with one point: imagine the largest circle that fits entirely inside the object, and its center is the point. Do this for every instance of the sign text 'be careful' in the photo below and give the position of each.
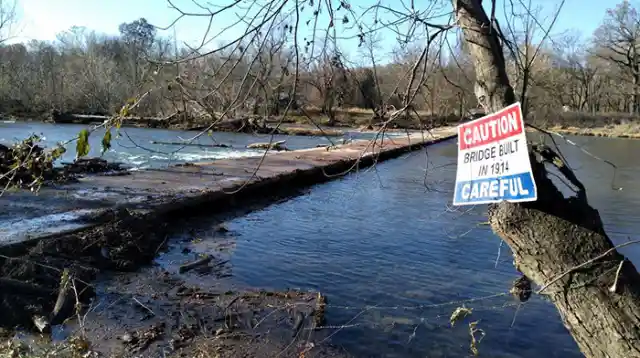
(493, 160)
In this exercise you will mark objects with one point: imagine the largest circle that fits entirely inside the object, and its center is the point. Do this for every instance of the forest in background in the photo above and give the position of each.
(592, 78)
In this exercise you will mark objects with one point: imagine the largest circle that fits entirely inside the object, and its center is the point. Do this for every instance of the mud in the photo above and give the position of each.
(123, 244)
(131, 305)
(157, 313)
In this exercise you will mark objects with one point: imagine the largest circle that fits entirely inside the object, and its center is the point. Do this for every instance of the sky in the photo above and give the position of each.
(44, 19)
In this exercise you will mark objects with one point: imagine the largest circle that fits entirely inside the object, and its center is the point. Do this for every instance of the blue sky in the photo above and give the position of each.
(43, 19)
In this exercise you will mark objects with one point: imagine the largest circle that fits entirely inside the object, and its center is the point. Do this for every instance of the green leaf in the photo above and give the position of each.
(106, 141)
(82, 146)
(58, 152)
(458, 314)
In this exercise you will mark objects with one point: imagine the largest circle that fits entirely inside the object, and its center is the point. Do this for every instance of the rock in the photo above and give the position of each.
(221, 228)
(92, 165)
(127, 337)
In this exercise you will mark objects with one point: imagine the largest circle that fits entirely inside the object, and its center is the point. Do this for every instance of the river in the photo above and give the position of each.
(134, 146)
(393, 258)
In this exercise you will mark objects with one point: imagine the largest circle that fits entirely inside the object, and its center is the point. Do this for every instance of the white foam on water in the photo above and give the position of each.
(90, 194)
(144, 161)
(17, 230)
(131, 159)
(201, 156)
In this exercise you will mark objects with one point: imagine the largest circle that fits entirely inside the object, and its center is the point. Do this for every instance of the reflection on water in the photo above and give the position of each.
(393, 257)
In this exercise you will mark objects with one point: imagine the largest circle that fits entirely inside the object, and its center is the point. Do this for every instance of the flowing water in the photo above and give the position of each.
(135, 146)
(395, 260)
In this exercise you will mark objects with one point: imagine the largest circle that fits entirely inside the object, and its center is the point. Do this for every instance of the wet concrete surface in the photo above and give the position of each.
(25, 215)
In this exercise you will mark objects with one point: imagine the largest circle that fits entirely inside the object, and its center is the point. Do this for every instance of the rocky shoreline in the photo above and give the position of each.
(126, 307)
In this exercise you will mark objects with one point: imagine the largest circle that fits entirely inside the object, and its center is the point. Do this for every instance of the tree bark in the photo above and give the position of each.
(636, 90)
(554, 235)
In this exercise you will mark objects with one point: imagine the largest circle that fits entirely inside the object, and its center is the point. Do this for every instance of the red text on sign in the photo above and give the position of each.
(491, 128)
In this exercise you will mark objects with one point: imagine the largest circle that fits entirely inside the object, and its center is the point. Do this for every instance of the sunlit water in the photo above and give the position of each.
(394, 259)
(134, 146)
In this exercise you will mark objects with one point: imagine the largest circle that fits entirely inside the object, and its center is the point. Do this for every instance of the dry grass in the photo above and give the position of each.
(616, 124)
(628, 130)
(620, 125)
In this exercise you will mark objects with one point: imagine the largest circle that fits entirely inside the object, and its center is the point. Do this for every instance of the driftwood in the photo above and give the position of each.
(64, 303)
(279, 145)
(558, 242)
(191, 265)
(192, 144)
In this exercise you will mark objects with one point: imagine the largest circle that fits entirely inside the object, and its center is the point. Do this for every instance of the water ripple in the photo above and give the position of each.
(385, 237)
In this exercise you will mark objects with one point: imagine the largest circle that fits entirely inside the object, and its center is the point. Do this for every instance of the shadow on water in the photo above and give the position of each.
(393, 258)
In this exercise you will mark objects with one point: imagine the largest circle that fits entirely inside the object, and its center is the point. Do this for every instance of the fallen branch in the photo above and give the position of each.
(187, 144)
(279, 145)
(63, 302)
(191, 265)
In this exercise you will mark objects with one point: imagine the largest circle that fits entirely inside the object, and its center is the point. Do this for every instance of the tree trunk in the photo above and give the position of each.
(636, 90)
(549, 238)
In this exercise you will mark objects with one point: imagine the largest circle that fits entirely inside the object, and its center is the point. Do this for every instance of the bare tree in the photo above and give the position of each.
(579, 81)
(271, 70)
(328, 76)
(617, 41)
(8, 19)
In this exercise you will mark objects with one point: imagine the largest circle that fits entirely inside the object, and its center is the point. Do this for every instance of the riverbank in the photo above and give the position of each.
(631, 131)
(128, 225)
(308, 122)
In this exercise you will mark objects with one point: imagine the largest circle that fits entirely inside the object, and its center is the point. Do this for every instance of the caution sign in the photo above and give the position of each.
(493, 160)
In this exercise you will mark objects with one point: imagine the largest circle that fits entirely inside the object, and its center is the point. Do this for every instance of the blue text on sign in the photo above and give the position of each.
(517, 187)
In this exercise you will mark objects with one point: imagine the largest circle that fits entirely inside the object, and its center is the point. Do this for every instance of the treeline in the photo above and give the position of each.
(89, 73)
(81, 72)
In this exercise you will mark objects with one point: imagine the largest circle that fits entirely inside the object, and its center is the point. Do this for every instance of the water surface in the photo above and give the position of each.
(393, 257)
(134, 145)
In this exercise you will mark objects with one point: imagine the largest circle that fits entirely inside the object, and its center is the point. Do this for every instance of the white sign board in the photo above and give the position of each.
(493, 160)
